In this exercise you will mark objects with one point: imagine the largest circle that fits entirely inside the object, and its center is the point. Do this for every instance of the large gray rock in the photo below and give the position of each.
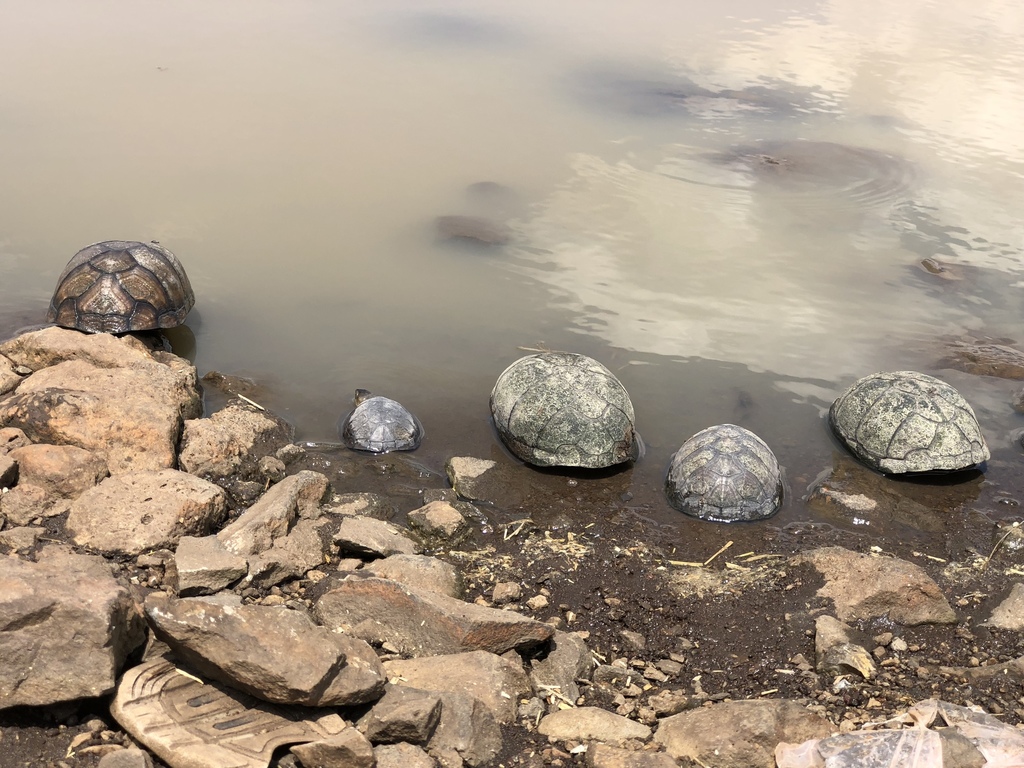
(402, 715)
(135, 512)
(203, 566)
(467, 728)
(76, 403)
(368, 537)
(66, 628)
(273, 516)
(349, 749)
(866, 587)
(592, 724)
(567, 661)
(738, 734)
(421, 623)
(65, 471)
(496, 681)
(191, 724)
(275, 654)
(49, 346)
(419, 572)
(227, 447)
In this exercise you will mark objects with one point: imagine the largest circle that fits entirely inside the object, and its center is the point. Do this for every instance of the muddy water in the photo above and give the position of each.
(728, 204)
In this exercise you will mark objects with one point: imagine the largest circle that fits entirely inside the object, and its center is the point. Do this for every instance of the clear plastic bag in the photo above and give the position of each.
(918, 745)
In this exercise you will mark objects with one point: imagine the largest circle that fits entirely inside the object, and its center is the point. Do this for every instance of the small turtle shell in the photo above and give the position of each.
(564, 409)
(725, 473)
(905, 421)
(380, 425)
(119, 286)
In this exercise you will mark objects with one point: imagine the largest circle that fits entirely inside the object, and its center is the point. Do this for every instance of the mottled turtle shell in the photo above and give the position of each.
(725, 473)
(379, 425)
(907, 421)
(119, 286)
(564, 409)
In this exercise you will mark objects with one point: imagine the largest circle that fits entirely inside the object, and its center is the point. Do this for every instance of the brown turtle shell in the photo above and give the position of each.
(119, 286)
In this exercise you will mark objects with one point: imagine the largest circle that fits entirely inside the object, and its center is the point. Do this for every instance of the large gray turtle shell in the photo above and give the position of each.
(564, 409)
(725, 473)
(121, 285)
(380, 424)
(907, 421)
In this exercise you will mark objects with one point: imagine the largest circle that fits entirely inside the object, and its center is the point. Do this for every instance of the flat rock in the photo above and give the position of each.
(591, 724)
(203, 566)
(368, 537)
(349, 749)
(227, 448)
(274, 654)
(273, 515)
(402, 715)
(419, 572)
(20, 538)
(75, 403)
(866, 587)
(43, 606)
(189, 724)
(421, 623)
(126, 758)
(476, 229)
(496, 681)
(132, 513)
(49, 346)
(362, 504)
(1009, 614)
(606, 756)
(440, 520)
(470, 479)
(984, 359)
(402, 756)
(65, 471)
(738, 734)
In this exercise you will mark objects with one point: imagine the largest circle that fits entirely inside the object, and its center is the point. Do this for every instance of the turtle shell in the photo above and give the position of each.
(379, 425)
(725, 473)
(119, 286)
(564, 409)
(907, 421)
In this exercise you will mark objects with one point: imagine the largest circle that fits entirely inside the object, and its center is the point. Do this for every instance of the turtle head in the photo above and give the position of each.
(361, 396)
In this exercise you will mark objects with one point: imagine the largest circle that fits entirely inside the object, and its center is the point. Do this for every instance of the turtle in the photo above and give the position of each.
(725, 473)
(379, 425)
(564, 409)
(119, 286)
(905, 421)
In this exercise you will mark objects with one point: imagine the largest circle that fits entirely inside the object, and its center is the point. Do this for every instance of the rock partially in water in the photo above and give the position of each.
(473, 229)
(983, 359)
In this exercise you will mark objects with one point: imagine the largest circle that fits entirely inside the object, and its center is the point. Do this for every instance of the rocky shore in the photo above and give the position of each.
(189, 591)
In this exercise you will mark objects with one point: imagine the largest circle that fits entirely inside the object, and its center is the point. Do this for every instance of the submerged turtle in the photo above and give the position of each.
(907, 421)
(725, 473)
(379, 425)
(564, 409)
(119, 286)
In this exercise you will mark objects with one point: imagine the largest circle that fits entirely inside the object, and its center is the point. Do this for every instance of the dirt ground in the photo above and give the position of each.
(709, 619)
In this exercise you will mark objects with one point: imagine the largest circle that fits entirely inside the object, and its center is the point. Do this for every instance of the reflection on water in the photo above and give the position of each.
(731, 205)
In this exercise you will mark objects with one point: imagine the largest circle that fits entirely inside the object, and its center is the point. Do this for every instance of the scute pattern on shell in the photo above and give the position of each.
(119, 286)
(380, 425)
(907, 421)
(564, 409)
(725, 473)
